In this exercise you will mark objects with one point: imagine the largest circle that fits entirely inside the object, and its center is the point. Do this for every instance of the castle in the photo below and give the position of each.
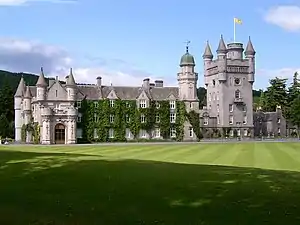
(228, 79)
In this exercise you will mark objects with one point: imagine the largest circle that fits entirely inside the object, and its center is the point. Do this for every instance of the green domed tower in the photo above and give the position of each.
(187, 79)
(187, 59)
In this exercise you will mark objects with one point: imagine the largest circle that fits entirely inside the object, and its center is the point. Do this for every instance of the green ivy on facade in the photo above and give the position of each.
(95, 123)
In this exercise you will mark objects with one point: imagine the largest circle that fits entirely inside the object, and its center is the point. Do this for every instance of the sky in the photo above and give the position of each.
(125, 41)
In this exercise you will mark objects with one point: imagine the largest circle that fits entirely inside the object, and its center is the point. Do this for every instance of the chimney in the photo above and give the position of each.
(99, 81)
(159, 83)
(146, 83)
(51, 81)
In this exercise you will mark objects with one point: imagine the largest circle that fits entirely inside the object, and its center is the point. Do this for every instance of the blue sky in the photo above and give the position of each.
(146, 38)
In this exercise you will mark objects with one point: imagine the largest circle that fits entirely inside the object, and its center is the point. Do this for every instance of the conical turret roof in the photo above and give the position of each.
(21, 88)
(222, 47)
(28, 93)
(207, 52)
(70, 79)
(249, 49)
(41, 81)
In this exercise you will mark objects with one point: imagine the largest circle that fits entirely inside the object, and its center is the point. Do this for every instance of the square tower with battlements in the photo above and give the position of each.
(229, 81)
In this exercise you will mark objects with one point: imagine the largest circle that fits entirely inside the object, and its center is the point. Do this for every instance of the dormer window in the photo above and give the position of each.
(143, 104)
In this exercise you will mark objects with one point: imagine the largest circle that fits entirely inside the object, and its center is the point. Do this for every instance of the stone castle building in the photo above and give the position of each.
(228, 79)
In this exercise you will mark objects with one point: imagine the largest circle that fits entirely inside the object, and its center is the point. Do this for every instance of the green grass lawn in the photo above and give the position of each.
(201, 184)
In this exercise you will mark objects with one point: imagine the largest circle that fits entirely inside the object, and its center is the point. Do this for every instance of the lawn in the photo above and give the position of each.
(201, 184)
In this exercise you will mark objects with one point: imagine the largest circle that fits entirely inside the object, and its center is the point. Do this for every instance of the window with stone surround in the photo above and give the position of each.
(172, 132)
(230, 108)
(111, 133)
(143, 103)
(157, 118)
(245, 120)
(111, 103)
(111, 118)
(237, 94)
(205, 121)
(143, 133)
(78, 104)
(127, 118)
(230, 119)
(172, 117)
(191, 131)
(157, 132)
(172, 104)
(143, 118)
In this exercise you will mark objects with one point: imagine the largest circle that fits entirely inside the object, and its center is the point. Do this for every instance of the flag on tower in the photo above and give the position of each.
(238, 21)
(235, 21)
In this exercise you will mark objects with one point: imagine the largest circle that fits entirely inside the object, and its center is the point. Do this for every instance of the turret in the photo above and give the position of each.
(250, 55)
(207, 58)
(18, 110)
(27, 105)
(71, 87)
(187, 62)
(222, 60)
(27, 99)
(235, 51)
(41, 87)
(187, 78)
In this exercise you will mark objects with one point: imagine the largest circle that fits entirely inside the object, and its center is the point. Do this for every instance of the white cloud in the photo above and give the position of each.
(280, 73)
(22, 2)
(286, 17)
(28, 56)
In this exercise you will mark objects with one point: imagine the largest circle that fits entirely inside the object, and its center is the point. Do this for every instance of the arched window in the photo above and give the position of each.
(237, 94)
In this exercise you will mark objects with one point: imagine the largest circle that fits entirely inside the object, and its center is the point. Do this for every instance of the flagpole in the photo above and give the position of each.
(233, 30)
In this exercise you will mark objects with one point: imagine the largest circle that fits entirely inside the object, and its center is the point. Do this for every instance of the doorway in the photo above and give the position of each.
(60, 134)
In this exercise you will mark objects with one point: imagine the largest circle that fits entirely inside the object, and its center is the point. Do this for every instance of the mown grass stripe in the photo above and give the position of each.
(212, 153)
(243, 155)
(154, 154)
(177, 155)
(282, 158)
(263, 157)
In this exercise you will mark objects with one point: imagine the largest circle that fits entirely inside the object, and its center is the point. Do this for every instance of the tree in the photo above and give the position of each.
(293, 93)
(201, 94)
(275, 95)
(7, 102)
(4, 126)
(295, 112)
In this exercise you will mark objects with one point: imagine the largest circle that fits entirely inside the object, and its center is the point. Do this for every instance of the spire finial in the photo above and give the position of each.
(42, 70)
(187, 46)
(71, 71)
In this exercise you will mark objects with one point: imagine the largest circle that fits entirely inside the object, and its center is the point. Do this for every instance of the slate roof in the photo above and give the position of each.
(93, 92)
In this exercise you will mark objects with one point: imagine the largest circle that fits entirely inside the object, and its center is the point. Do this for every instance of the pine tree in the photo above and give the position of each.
(295, 112)
(276, 95)
(293, 93)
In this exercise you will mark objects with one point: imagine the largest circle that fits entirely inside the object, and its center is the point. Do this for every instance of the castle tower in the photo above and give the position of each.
(229, 80)
(18, 109)
(41, 87)
(71, 86)
(187, 80)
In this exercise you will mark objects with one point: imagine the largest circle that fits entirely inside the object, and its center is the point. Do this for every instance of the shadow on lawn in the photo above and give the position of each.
(75, 189)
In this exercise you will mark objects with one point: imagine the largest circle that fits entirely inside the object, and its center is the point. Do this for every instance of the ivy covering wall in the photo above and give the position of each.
(95, 122)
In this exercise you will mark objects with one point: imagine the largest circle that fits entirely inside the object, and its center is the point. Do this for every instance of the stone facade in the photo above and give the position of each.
(229, 81)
